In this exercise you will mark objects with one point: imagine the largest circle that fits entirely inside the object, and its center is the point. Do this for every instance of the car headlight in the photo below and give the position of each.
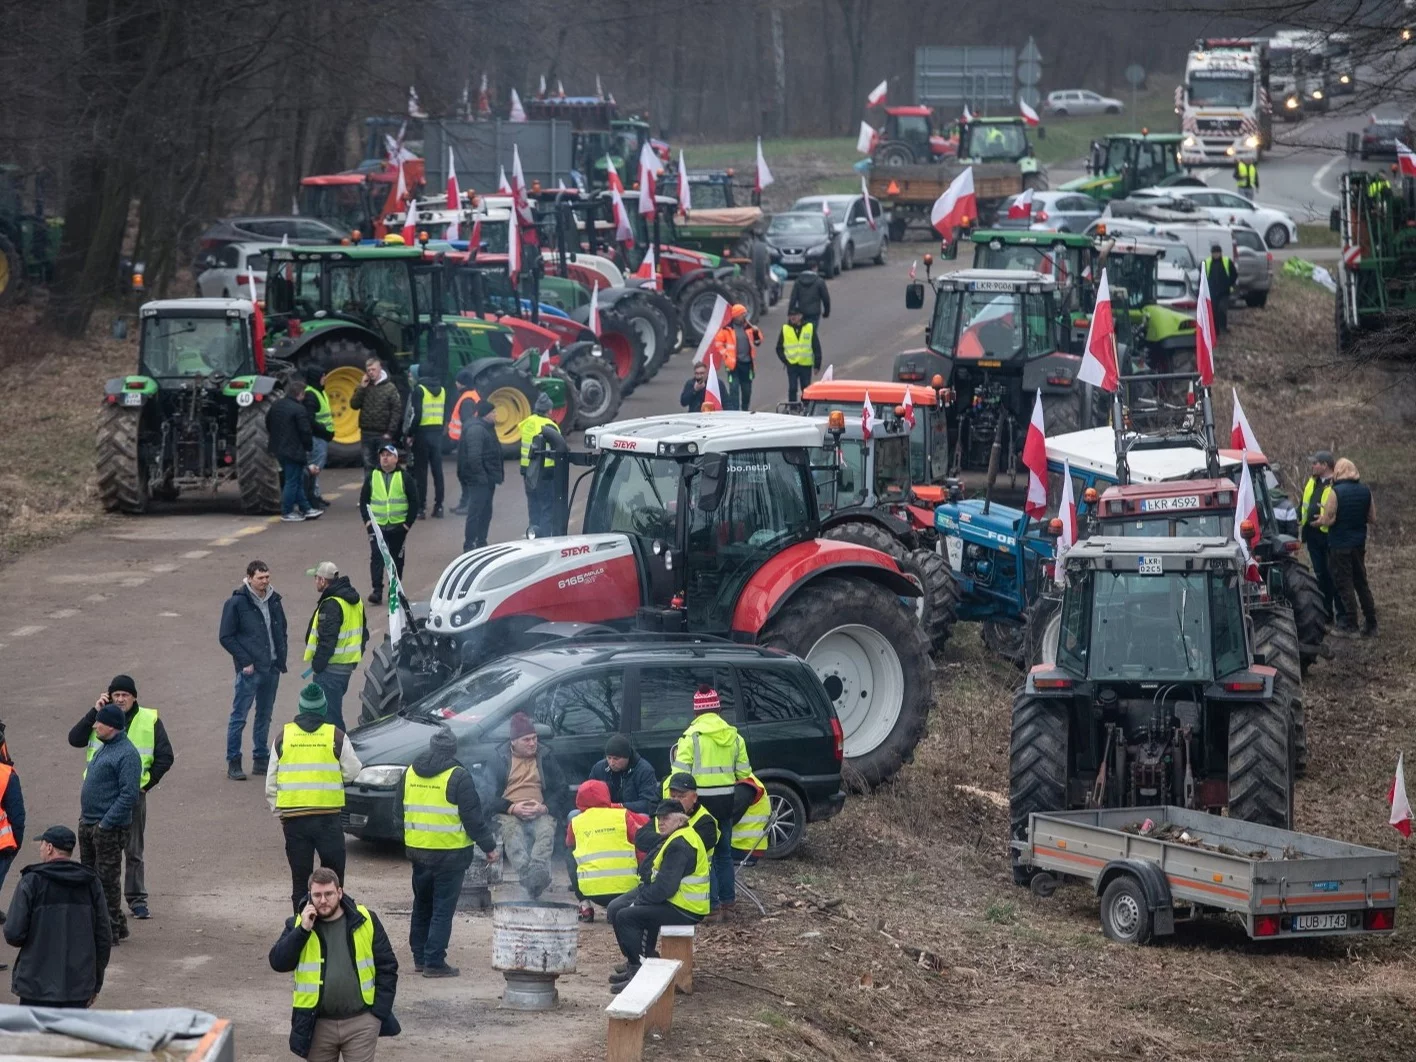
(1291, 103)
(1345, 79)
(383, 777)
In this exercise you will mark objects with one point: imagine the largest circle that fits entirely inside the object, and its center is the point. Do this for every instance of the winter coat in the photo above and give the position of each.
(479, 454)
(380, 408)
(1223, 280)
(13, 804)
(162, 755)
(691, 397)
(809, 295)
(761, 262)
(410, 491)
(243, 630)
(658, 885)
(594, 793)
(312, 406)
(636, 787)
(462, 791)
(329, 617)
(554, 792)
(111, 784)
(815, 346)
(290, 432)
(59, 920)
(285, 956)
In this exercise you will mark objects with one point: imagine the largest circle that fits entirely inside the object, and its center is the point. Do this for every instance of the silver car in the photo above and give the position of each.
(1053, 212)
(1080, 101)
(1254, 265)
(856, 239)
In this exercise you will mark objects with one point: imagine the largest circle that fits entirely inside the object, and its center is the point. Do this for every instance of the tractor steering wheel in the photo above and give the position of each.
(650, 522)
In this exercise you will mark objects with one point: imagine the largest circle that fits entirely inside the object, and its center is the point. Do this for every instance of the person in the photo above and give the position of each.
(58, 918)
(1315, 494)
(290, 439)
(695, 389)
(531, 797)
(147, 734)
(336, 636)
(629, 777)
(714, 753)
(389, 499)
(599, 842)
(673, 891)
(749, 836)
(322, 428)
(12, 811)
(429, 418)
(760, 252)
(1246, 178)
(442, 817)
(1223, 277)
(683, 788)
(799, 351)
(346, 974)
(737, 342)
(479, 470)
(1347, 513)
(809, 295)
(380, 409)
(106, 801)
(540, 499)
(310, 760)
(253, 630)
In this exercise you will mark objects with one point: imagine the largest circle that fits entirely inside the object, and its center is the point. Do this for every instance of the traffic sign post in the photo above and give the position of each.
(1136, 75)
(1030, 74)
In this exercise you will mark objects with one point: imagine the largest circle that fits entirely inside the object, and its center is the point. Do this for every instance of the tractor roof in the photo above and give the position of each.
(1184, 495)
(996, 280)
(1176, 554)
(1002, 119)
(910, 111)
(195, 307)
(684, 434)
(356, 252)
(1031, 239)
(1094, 450)
(335, 179)
(882, 392)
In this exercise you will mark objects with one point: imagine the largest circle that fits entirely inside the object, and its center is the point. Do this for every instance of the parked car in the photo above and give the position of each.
(798, 234)
(1080, 101)
(1380, 135)
(580, 691)
(1254, 265)
(268, 229)
(1198, 235)
(1229, 208)
(856, 238)
(228, 272)
(1053, 212)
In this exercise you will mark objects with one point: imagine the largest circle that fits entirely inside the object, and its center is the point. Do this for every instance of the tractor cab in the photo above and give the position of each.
(1124, 162)
(361, 200)
(183, 340)
(985, 140)
(598, 133)
(909, 136)
(1193, 508)
(928, 438)
(1069, 258)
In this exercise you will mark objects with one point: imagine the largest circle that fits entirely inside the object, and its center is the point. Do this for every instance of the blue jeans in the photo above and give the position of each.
(436, 887)
(259, 686)
(292, 495)
(722, 883)
(335, 685)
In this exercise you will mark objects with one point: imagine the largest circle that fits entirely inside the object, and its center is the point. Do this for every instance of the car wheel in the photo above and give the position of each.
(1060, 112)
(787, 825)
(1276, 236)
(884, 250)
(1113, 110)
(848, 259)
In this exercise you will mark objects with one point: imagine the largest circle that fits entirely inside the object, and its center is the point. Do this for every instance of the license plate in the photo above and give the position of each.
(1150, 566)
(955, 546)
(1159, 505)
(133, 398)
(1309, 923)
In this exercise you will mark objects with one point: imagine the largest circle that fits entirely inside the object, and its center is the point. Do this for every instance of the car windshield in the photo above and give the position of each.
(1147, 628)
(1386, 129)
(985, 324)
(987, 140)
(479, 695)
(634, 495)
(797, 225)
(195, 346)
(1222, 91)
(487, 291)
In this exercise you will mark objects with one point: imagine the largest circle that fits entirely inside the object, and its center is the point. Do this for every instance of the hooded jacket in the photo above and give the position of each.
(636, 787)
(809, 295)
(59, 920)
(462, 791)
(243, 630)
(712, 729)
(555, 794)
(479, 454)
(329, 617)
(596, 794)
(289, 430)
(349, 765)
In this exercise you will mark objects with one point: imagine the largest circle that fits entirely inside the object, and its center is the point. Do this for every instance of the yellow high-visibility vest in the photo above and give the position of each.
(307, 774)
(692, 894)
(323, 417)
(748, 831)
(796, 346)
(309, 972)
(349, 646)
(530, 428)
(605, 864)
(388, 501)
(713, 767)
(430, 820)
(1307, 508)
(141, 731)
(432, 408)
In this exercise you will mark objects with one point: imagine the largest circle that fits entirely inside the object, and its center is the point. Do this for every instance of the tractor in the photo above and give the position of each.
(1376, 222)
(929, 437)
(362, 200)
(702, 523)
(1152, 690)
(193, 416)
(909, 136)
(1125, 162)
(29, 242)
(598, 133)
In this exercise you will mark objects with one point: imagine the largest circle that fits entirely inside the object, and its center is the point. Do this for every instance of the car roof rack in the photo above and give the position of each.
(702, 642)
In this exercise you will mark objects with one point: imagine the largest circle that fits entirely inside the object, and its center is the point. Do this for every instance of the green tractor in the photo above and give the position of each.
(193, 416)
(29, 242)
(1376, 221)
(1125, 162)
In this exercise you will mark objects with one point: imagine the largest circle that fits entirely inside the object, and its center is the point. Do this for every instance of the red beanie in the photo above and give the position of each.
(706, 700)
(521, 726)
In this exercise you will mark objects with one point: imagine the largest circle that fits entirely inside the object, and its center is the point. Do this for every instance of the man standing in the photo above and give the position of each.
(310, 763)
(599, 841)
(12, 811)
(629, 777)
(110, 792)
(336, 636)
(809, 295)
(479, 470)
(322, 428)
(59, 920)
(540, 499)
(290, 441)
(429, 418)
(380, 409)
(695, 389)
(346, 975)
(146, 734)
(761, 255)
(800, 351)
(254, 632)
(1246, 178)
(1346, 514)
(737, 342)
(1315, 495)
(532, 797)
(1223, 278)
(442, 816)
(390, 499)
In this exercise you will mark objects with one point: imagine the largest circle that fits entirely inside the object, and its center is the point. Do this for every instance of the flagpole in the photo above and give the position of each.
(1211, 446)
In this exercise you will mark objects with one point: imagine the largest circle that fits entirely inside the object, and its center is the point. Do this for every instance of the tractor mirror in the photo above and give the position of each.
(712, 481)
(914, 295)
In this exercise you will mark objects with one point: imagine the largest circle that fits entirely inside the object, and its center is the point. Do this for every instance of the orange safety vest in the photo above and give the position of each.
(725, 344)
(7, 833)
(454, 424)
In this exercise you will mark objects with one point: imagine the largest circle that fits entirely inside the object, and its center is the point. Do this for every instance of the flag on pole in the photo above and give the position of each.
(907, 413)
(257, 318)
(541, 92)
(415, 109)
(878, 94)
(454, 198)
(474, 242)
(829, 374)
(1035, 460)
(826, 207)
(1021, 206)
(1204, 332)
(484, 100)
(1400, 816)
(685, 192)
(410, 223)
(513, 249)
(1246, 511)
(713, 392)
(865, 139)
(1405, 160)
(1099, 366)
(1029, 115)
(1068, 515)
(648, 269)
(715, 322)
(867, 418)
(764, 175)
(646, 187)
(594, 321)
(285, 239)
(913, 266)
(543, 363)
(869, 210)
(624, 231)
(518, 188)
(518, 112)
(395, 589)
(956, 207)
(1241, 435)
(599, 89)
(560, 89)
(503, 185)
(967, 116)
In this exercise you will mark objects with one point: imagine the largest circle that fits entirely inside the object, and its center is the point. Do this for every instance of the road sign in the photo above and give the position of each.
(1029, 95)
(1029, 72)
(1030, 52)
(1135, 74)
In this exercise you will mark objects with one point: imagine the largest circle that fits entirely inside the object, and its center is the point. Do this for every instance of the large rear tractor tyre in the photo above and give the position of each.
(895, 153)
(1063, 413)
(122, 474)
(1344, 336)
(597, 389)
(1037, 765)
(257, 472)
(514, 396)
(941, 594)
(668, 314)
(1008, 641)
(651, 334)
(1310, 611)
(898, 228)
(1260, 780)
(383, 689)
(864, 533)
(623, 350)
(566, 416)
(12, 273)
(343, 363)
(1036, 181)
(873, 659)
(1276, 639)
(695, 303)
(745, 292)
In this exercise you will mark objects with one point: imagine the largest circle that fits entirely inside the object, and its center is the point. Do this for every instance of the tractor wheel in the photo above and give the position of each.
(873, 659)
(864, 533)
(1310, 611)
(122, 473)
(1037, 765)
(695, 303)
(343, 362)
(1006, 640)
(941, 594)
(745, 292)
(597, 389)
(898, 227)
(668, 315)
(257, 473)
(1276, 638)
(895, 153)
(514, 396)
(1036, 181)
(12, 273)
(565, 416)
(1260, 781)
(1344, 334)
(383, 689)
(623, 350)
(1063, 413)
(651, 335)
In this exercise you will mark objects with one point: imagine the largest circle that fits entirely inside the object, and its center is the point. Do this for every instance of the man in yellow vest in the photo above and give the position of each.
(429, 418)
(673, 891)
(1246, 178)
(389, 499)
(799, 350)
(311, 759)
(149, 737)
(1315, 496)
(599, 839)
(322, 428)
(750, 832)
(335, 637)
(346, 974)
(540, 499)
(442, 817)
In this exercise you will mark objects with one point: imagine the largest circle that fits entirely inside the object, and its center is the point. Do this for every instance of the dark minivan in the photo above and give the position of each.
(582, 690)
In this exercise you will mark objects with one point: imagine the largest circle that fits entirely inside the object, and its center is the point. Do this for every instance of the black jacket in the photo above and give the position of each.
(162, 754)
(285, 956)
(815, 347)
(415, 406)
(554, 793)
(809, 295)
(243, 630)
(329, 617)
(479, 454)
(648, 839)
(410, 491)
(1222, 281)
(691, 398)
(312, 405)
(289, 426)
(679, 860)
(59, 920)
(636, 787)
(462, 791)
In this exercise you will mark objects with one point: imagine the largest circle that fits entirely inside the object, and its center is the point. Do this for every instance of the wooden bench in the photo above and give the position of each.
(676, 942)
(646, 1002)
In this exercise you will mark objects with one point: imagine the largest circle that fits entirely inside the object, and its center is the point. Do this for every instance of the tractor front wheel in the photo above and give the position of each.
(257, 473)
(1260, 751)
(940, 597)
(383, 689)
(597, 389)
(1037, 765)
(122, 473)
(342, 361)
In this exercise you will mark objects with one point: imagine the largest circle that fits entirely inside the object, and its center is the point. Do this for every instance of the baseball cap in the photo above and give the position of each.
(1324, 457)
(388, 448)
(324, 569)
(61, 837)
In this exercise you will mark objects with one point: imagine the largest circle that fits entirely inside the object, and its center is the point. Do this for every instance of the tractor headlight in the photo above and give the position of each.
(383, 777)
(1317, 94)
(1345, 79)
(466, 614)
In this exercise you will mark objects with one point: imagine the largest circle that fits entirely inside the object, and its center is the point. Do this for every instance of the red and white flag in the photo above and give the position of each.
(410, 223)
(1029, 115)
(713, 392)
(907, 408)
(1204, 332)
(650, 166)
(474, 241)
(518, 112)
(829, 374)
(685, 193)
(454, 198)
(1400, 816)
(865, 198)
(599, 88)
(967, 116)
(715, 323)
(415, 109)
(519, 192)
(648, 270)
(1246, 511)
(1405, 160)
(764, 175)
(1241, 435)
(402, 192)
(484, 100)
(956, 207)
(1035, 460)
(541, 92)
(1067, 513)
(624, 231)
(912, 268)
(878, 94)
(257, 319)
(866, 138)
(543, 363)
(867, 418)
(1099, 365)
(560, 89)
(513, 248)
(1021, 206)
(594, 324)
(503, 185)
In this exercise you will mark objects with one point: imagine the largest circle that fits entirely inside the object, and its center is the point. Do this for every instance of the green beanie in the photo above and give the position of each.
(312, 700)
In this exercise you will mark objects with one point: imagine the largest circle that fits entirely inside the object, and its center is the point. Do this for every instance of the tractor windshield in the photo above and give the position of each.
(993, 325)
(1151, 162)
(372, 288)
(929, 457)
(345, 205)
(707, 195)
(195, 346)
(986, 142)
(634, 495)
(892, 468)
(913, 127)
(1213, 523)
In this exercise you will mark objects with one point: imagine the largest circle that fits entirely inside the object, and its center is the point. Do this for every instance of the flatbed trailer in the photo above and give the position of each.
(1280, 884)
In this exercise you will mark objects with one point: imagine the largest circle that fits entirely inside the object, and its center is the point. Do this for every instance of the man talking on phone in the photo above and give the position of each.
(380, 409)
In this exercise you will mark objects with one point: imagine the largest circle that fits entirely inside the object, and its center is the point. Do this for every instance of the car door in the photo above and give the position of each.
(582, 710)
(1087, 103)
(663, 705)
(865, 238)
(782, 723)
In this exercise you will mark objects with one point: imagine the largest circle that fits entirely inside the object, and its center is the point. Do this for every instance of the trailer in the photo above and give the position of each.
(1153, 867)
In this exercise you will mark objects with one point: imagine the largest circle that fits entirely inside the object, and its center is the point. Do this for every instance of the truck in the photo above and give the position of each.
(599, 132)
(1224, 102)
(1298, 73)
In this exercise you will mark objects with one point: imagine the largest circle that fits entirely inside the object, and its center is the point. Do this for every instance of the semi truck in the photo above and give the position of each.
(1225, 108)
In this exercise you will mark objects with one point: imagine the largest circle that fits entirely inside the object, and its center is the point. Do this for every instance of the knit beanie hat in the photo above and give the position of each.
(618, 745)
(111, 715)
(444, 741)
(122, 684)
(706, 699)
(312, 700)
(544, 404)
(521, 726)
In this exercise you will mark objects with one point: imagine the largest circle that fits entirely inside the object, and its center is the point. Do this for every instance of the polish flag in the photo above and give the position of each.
(648, 270)
(912, 268)
(474, 241)
(594, 324)
(1068, 514)
(257, 321)
(1246, 510)
(454, 198)
(410, 223)
(956, 207)
(513, 247)
(829, 374)
(878, 94)
(1241, 435)
(865, 198)
(1035, 459)
(518, 112)
(1099, 366)
(650, 166)
(1204, 332)
(865, 140)
(543, 363)
(685, 195)
(560, 89)
(518, 187)
(1400, 817)
(715, 323)
(503, 185)
(484, 100)
(415, 109)
(908, 416)
(1021, 206)
(968, 115)
(541, 92)
(624, 231)
(599, 88)
(1406, 160)
(867, 418)
(764, 175)
(1029, 115)
(713, 393)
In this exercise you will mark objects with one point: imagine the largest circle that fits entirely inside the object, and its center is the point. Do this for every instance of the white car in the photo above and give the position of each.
(1080, 101)
(1276, 226)
(228, 272)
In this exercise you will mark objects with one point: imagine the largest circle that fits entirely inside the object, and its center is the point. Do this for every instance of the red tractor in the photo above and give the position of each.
(909, 136)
